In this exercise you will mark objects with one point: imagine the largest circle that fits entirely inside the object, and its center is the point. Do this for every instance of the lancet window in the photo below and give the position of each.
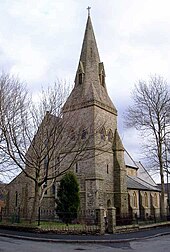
(135, 204)
(103, 133)
(84, 134)
(110, 136)
(146, 199)
(156, 199)
(76, 168)
(107, 167)
(72, 134)
(16, 198)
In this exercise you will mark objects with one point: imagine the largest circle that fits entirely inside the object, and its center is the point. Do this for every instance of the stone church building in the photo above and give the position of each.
(108, 176)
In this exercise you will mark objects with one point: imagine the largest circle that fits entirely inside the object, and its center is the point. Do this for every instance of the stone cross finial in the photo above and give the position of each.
(88, 9)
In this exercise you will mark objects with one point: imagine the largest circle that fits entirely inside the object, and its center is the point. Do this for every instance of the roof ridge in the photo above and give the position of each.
(146, 171)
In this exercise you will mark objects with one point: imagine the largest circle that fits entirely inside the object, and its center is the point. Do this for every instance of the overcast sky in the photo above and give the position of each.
(40, 40)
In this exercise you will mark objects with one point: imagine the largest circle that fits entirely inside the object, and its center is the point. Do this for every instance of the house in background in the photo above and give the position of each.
(109, 177)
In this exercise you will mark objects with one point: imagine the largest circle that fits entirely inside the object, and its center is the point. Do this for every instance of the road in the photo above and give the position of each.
(157, 244)
(144, 233)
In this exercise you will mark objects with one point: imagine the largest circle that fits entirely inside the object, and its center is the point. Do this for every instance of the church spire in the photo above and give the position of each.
(89, 57)
(90, 75)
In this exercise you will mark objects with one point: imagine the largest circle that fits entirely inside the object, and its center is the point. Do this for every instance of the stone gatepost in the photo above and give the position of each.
(111, 219)
(100, 221)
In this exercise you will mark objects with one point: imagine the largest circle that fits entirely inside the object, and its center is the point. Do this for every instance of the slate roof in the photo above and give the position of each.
(143, 181)
(137, 183)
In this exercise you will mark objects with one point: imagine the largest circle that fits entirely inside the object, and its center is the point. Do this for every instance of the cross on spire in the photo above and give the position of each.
(88, 9)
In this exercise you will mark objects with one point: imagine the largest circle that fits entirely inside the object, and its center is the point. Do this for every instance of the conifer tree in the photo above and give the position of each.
(68, 200)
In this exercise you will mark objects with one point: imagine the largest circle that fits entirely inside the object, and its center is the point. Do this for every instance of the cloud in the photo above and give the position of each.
(132, 143)
(41, 40)
(33, 35)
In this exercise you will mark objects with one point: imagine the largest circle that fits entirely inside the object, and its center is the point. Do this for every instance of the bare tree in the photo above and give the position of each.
(37, 138)
(150, 115)
(13, 104)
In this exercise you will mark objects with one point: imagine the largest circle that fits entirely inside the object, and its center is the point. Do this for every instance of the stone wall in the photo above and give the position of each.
(19, 194)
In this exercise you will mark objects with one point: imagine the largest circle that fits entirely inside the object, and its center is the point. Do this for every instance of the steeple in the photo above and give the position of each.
(89, 57)
(90, 84)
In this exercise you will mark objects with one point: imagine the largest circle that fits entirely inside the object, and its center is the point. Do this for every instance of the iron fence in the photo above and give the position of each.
(84, 221)
(82, 217)
(142, 218)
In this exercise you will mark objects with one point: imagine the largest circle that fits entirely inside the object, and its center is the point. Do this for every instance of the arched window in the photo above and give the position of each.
(135, 202)
(84, 134)
(103, 134)
(110, 136)
(146, 199)
(76, 168)
(16, 198)
(156, 199)
(107, 169)
(72, 134)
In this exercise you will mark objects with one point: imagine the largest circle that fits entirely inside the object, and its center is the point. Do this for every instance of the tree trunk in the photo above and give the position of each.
(35, 205)
(162, 199)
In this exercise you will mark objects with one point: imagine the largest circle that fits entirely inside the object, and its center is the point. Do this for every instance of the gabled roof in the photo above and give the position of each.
(137, 183)
(143, 180)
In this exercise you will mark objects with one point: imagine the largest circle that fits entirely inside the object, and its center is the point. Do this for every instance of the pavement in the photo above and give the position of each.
(107, 238)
